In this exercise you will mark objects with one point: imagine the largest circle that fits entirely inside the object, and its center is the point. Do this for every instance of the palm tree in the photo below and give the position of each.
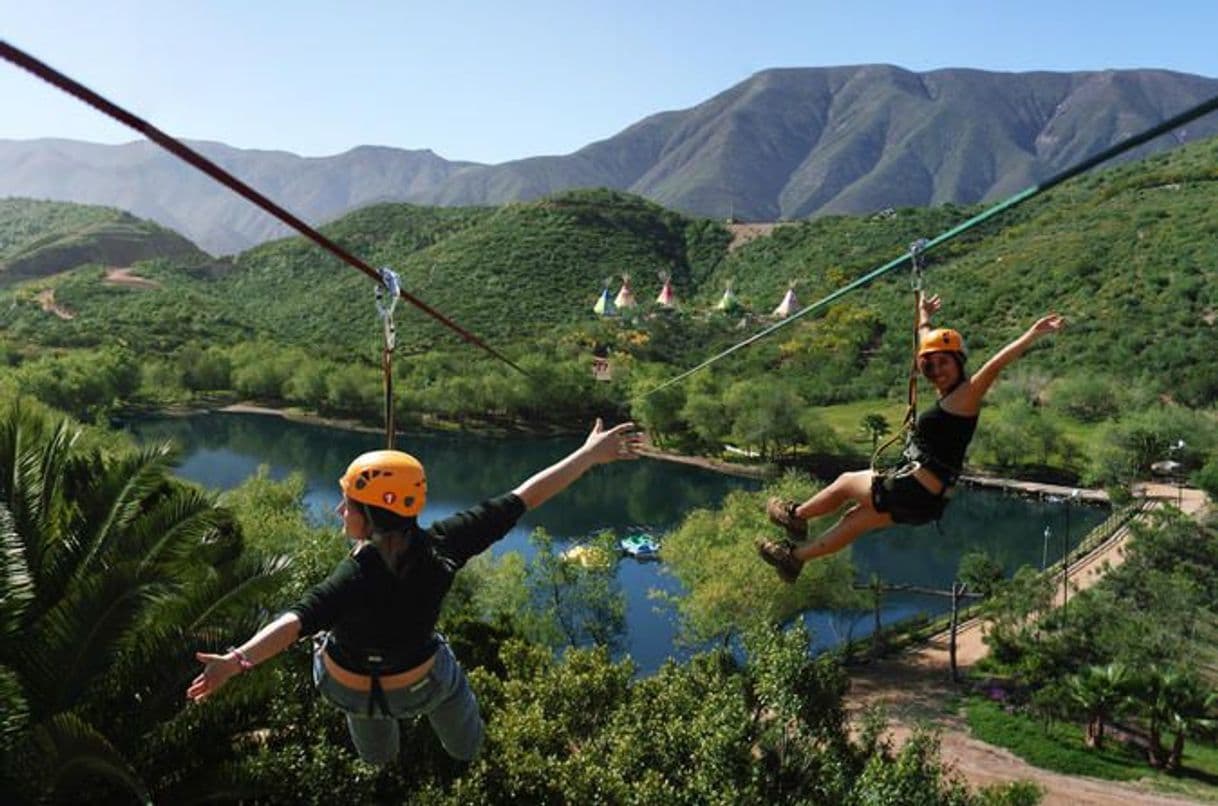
(1194, 714)
(1100, 691)
(111, 573)
(1178, 702)
(875, 426)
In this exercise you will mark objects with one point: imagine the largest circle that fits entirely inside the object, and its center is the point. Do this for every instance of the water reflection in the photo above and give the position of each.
(221, 450)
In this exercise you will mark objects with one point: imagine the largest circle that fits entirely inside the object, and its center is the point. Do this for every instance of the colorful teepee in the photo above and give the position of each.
(728, 302)
(666, 299)
(604, 304)
(789, 304)
(625, 297)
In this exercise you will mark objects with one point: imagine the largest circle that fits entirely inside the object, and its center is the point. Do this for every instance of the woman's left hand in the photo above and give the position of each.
(1047, 324)
(931, 306)
(617, 443)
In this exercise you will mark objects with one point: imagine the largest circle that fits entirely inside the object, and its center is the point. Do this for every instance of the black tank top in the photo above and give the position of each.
(941, 439)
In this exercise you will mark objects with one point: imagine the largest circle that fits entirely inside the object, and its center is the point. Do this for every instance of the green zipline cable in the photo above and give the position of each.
(1020, 197)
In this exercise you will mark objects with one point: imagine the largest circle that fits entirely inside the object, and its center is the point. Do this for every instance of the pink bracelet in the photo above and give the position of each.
(242, 661)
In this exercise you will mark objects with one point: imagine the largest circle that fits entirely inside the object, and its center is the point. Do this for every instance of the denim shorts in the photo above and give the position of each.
(443, 696)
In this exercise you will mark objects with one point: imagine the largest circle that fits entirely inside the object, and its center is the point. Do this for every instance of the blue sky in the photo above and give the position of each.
(494, 81)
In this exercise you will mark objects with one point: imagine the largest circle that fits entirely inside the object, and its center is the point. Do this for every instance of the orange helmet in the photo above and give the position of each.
(941, 340)
(390, 480)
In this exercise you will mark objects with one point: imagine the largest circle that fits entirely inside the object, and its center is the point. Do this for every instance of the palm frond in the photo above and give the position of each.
(14, 709)
(174, 529)
(16, 583)
(78, 754)
(232, 594)
(120, 492)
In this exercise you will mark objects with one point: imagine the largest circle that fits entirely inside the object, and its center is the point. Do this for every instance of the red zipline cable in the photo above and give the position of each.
(183, 152)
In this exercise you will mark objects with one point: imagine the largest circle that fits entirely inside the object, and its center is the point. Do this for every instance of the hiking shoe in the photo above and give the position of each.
(782, 513)
(778, 554)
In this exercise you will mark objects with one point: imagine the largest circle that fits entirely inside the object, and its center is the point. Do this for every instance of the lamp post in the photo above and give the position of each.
(1179, 448)
(1044, 548)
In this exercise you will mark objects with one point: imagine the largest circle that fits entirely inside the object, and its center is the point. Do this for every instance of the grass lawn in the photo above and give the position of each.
(1060, 748)
(846, 420)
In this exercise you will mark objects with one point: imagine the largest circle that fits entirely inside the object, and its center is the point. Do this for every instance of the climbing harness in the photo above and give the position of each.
(387, 295)
(188, 155)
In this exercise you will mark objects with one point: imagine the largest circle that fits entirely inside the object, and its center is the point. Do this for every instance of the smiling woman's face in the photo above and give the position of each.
(941, 369)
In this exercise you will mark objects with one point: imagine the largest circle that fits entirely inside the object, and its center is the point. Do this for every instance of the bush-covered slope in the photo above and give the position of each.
(509, 274)
(40, 238)
(1129, 255)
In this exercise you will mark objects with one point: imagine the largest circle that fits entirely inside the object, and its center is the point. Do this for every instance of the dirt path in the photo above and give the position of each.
(729, 468)
(743, 233)
(914, 688)
(126, 278)
(46, 300)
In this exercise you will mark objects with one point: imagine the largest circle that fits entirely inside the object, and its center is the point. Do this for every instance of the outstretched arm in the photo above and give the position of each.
(929, 307)
(266, 644)
(599, 448)
(981, 381)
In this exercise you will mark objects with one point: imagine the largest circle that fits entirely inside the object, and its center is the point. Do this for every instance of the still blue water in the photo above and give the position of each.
(221, 450)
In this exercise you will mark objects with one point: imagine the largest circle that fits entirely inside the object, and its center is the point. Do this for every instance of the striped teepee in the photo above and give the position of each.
(625, 297)
(666, 299)
(604, 304)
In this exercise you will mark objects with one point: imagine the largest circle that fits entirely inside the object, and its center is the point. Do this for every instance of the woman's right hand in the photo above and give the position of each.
(930, 306)
(1050, 323)
(619, 442)
(217, 669)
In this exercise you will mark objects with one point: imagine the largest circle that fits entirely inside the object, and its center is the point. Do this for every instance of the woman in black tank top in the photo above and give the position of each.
(916, 493)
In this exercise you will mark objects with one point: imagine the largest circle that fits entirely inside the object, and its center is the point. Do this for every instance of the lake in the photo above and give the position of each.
(220, 450)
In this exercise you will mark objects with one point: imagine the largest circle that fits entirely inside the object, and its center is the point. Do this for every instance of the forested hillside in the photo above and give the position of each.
(1128, 255)
(42, 238)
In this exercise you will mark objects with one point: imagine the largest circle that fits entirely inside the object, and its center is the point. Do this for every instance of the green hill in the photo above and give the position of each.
(1129, 255)
(41, 238)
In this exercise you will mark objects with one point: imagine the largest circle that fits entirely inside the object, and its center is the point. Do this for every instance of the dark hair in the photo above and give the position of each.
(402, 544)
(386, 522)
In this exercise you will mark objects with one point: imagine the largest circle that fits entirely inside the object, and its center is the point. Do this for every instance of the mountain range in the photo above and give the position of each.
(783, 144)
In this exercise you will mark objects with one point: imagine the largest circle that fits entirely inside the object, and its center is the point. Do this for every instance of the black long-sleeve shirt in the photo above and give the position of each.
(373, 612)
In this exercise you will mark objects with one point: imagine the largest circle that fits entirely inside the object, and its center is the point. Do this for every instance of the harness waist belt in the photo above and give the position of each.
(389, 682)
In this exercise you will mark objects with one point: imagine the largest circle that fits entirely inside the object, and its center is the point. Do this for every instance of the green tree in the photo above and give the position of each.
(728, 589)
(583, 600)
(1100, 692)
(875, 426)
(1207, 478)
(120, 573)
(980, 572)
(659, 412)
(1170, 700)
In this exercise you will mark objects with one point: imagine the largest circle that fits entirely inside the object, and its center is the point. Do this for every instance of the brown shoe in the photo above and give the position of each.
(779, 555)
(782, 513)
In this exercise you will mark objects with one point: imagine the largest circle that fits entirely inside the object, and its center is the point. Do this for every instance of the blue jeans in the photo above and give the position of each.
(443, 695)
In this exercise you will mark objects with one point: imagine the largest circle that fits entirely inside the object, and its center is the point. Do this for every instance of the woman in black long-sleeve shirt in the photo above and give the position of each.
(382, 659)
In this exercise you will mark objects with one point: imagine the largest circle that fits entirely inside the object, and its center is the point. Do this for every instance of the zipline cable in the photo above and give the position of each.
(186, 154)
(1136, 140)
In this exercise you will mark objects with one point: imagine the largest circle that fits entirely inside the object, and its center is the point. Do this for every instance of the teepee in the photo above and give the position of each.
(789, 304)
(625, 297)
(604, 304)
(728, 302)
(666, 299)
